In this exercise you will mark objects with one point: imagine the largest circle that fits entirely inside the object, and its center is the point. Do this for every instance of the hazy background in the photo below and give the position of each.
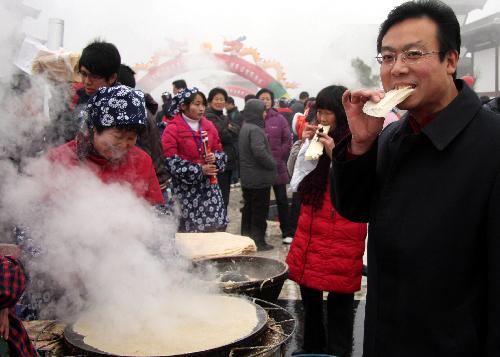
(313, 40)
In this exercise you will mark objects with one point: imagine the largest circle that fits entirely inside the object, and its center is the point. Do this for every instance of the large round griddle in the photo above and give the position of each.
(267, 275)
(76, 340)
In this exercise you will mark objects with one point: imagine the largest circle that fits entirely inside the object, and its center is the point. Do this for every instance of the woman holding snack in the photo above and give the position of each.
(194, 156)
(327, 251)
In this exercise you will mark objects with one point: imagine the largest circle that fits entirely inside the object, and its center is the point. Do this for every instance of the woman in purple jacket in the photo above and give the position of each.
(280, 139)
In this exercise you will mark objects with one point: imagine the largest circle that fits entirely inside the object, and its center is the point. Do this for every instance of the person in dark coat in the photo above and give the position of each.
(148, 139)
(232, 111)
(258, 173)
(429, 186)
(280, 138)
(493, 105)
(234, 115)
(228, 134)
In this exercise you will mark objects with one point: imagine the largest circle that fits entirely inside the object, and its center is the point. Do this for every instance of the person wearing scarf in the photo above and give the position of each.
(193, 164)
(326, 253)
(106, 144)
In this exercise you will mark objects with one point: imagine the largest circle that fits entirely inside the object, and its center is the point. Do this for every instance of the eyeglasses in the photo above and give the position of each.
(409, 57)
(91, 76)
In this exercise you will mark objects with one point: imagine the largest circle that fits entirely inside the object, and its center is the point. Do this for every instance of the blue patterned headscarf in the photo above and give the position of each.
(180, 98)
(116, 106)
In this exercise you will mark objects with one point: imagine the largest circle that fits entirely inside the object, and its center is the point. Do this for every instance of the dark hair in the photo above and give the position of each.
(330, 98)
(448, 27)
(217, 90)
(100, 58)
(179, 84)
(283, 103)
(265, 90)
(151, 104)
(303, 95)
(249, 96)
(191, 98)
(311, 116)
(126, 76)
(230, 100)
(312, 188)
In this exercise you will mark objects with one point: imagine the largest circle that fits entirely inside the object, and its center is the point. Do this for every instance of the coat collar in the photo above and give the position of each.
(448, 123)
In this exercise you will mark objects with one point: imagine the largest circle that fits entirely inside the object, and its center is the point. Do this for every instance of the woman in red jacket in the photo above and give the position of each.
(193, 165)
(106, 145)
(327, 251)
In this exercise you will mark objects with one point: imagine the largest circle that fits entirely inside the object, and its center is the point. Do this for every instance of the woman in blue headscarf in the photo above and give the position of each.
(194, 157)
(106, 145)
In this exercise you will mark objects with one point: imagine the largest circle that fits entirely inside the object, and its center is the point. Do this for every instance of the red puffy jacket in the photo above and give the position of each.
(136, 169)
(327, 250)
(179, 139)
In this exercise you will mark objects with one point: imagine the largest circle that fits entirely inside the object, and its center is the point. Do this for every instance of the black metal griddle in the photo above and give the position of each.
(76, 341)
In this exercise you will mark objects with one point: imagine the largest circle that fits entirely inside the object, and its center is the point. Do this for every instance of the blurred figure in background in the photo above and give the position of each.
(284, 109)
(228, 135)
(162, 116)
(299, 106)
(258, 173)
(148, 139)
(235, 117)
(178, 85)
(193, 168)
(232, 111)
(280, 139)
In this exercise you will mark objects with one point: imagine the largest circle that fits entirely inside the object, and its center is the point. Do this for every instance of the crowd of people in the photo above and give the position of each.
(423, 182)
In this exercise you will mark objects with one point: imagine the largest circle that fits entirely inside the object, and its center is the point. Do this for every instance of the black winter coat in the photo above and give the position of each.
(228, 134)
(432, 200)
(257, 165)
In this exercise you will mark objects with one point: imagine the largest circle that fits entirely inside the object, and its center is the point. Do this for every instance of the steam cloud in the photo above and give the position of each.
(111, 254)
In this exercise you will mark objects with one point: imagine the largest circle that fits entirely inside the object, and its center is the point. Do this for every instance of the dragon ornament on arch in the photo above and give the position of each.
(176, 60)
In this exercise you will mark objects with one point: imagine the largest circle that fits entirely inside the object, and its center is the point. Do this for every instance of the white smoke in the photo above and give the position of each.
(109, 252)
(104, 246)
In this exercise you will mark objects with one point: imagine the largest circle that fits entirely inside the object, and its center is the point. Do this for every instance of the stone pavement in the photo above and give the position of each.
(290, 294)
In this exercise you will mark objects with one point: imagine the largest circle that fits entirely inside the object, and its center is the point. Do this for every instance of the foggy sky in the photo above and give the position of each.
(314, 40)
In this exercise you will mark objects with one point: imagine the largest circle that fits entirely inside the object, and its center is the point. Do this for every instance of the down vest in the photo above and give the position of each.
(327, 250)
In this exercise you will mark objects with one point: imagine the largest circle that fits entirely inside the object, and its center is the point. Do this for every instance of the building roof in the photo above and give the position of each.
(482, 34)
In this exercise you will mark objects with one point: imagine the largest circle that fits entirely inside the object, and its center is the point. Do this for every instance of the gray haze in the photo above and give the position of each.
(313, 40)
(109, 251)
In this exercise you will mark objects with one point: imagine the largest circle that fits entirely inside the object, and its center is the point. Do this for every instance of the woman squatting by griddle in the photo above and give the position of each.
(114, 116)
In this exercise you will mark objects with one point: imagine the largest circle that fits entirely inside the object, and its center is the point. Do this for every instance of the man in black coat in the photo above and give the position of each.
(429, 186)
